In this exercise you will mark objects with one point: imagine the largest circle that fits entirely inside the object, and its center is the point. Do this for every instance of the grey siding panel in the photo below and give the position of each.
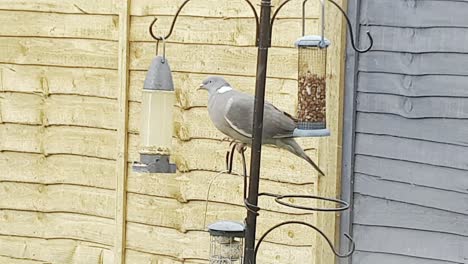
(412, 194)
(413, 107)
(452, 131)
(413, 173)
(417, 40)
(381, 212)
(414, 13)
(363, 257)
(413, 86)
(414, 64)
(412, 150)
(413, 243)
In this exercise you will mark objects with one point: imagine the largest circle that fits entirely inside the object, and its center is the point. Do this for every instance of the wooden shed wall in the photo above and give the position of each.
(410, 175)
(64, 129)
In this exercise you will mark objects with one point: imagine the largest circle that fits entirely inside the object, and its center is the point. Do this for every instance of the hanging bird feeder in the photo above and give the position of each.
(157, 105)
(226, 242)
(312, 85)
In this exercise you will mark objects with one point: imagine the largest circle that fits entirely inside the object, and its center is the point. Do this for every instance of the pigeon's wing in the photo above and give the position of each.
(239, 115)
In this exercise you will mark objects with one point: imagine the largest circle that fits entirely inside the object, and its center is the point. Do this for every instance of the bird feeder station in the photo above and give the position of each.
(226, 242)
(157, 105)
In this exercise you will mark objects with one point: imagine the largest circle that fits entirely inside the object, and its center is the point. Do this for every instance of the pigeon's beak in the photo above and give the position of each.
(200, 87)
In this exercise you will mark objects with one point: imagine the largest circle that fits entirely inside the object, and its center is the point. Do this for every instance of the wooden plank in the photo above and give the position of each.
(417, 40)
(228, 60)
(415, 243)
(54, 250)
(122, 134)
(281, 92)
(58, 110)
(412, 13)
(89, 142)
(413, 173)
(381, 212)
(170, 213)
(195, 245)
(451, 131)
(57, 198)
(19, 261)
(58, 6)
(59, 52)
(413, 107)
(57, 225)
(412, 150)
(412, 194)
(220, 9)
(279, 164)
(414, 64)
(48, 80)
(413, 86)
(364, 257)
(57, 169)
(133, 256)
(219, 31)
(20, 23)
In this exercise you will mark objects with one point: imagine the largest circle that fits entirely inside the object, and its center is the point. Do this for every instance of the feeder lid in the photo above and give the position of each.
(311, 41)
(227, 229)
(159, 76)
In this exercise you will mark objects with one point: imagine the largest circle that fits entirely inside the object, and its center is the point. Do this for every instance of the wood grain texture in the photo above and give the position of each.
(190, 216)
(135, 257)
(219, 31)
(417, 40)
(414, 63)
(413, 86)
(57, 169)
(195, 245)
(58, 6)
(220, 9)
(47, 80)
(450, 131)
(57, 226)
(279, 165)
(59, 52)
(222, 60)
(57, 198)
(412, 194)
(403, 13)
(422, 107)
(382, 212)
(413, 243)
(413, 173)
(54, 250)
(88, 142)
(20, 23)
(412, 150)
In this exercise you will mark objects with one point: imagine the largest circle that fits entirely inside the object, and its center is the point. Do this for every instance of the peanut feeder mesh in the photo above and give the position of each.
(312, 93)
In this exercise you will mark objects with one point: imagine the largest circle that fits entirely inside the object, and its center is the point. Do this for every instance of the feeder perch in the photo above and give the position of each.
(158, 99)
(312, 88)
(226, 242)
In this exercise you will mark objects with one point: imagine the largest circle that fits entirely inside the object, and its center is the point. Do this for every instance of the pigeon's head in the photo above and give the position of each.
(213, 84)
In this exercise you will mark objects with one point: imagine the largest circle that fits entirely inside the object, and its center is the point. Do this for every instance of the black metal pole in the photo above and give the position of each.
(262, 58)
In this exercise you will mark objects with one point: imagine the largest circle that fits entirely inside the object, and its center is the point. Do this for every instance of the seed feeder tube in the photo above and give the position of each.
(312, 88)
(226, 242)
(157, 105)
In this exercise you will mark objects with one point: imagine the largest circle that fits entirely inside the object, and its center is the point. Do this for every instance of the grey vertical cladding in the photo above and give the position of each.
(406, 159)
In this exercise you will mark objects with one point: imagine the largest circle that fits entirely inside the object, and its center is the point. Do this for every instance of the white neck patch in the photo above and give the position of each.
(224, 89)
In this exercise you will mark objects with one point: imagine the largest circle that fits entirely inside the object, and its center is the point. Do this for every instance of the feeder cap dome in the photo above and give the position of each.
(311, 41)
(159, 76)
(227, 229)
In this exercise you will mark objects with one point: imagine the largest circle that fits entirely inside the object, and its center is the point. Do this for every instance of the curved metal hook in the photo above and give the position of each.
(177, 15)
(345, 255)
(351, 35)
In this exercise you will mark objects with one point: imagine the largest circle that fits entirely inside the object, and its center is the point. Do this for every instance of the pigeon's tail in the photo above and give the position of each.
(291, 145)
